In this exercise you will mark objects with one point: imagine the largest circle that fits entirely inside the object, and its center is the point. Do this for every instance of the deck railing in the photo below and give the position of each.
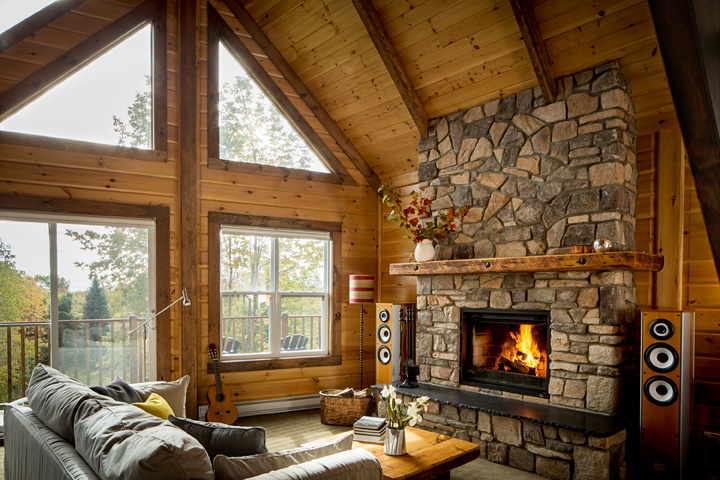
(250, 334)
(92, 351)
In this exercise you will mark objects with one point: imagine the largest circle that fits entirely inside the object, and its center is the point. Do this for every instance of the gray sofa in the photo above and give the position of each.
(65, 430)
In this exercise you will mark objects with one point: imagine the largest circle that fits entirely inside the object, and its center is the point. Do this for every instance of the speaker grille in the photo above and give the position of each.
(662, 329)
(384, 355)
(661, 391)
(661, 357)
(384, 334)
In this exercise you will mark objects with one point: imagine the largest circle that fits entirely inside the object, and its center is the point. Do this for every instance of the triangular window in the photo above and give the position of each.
(109, 101)
(14, 11)
(251, 128)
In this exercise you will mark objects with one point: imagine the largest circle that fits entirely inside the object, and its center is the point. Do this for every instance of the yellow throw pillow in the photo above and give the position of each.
(156, 405)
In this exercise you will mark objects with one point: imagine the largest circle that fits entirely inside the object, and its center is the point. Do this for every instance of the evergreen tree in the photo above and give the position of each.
(65, 307)
(96, 303)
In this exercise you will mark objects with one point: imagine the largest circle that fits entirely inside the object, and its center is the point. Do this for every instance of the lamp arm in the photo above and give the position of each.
(152, 315)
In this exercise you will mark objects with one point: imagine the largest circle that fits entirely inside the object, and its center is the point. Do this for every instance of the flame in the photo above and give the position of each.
(525, 350)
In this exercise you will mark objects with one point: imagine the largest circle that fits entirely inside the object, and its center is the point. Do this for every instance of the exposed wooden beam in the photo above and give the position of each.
(57, 70)
(687, 32)
(670, 213)
(188, 188)
(257, 33)
(35, 22)
(243, 55)
(532, 37)
(384, 47)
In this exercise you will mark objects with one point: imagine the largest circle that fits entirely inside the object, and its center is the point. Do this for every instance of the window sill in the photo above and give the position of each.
(275, 364)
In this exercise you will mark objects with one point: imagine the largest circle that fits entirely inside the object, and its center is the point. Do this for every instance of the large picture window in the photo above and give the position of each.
(274, 291)
(274, 294)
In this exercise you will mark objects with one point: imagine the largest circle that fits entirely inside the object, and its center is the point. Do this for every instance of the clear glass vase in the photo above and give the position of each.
(395, 441)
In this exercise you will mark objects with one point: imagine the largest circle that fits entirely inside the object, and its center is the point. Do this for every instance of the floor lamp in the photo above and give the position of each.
(362, 290)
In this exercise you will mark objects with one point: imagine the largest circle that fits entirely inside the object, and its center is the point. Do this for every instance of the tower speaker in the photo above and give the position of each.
(388, 343)
(666, 391)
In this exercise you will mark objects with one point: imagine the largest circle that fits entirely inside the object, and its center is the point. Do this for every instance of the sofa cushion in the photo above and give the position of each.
(230, 468)
(55, 398)
(120, 391)
(173, 392)
(357, 464)
(221, 439)
(120, 441)
(155, 405)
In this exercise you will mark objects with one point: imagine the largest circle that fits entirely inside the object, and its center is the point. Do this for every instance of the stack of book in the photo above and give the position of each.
(370, 429)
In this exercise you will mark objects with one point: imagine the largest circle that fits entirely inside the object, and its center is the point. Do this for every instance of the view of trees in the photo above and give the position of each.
(119, 288)
(246, 268)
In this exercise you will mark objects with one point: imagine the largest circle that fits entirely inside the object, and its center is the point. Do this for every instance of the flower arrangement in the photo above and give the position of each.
(417, 220)
(395, 417)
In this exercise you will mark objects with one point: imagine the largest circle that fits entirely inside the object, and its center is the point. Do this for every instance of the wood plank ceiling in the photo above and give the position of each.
(452, 55)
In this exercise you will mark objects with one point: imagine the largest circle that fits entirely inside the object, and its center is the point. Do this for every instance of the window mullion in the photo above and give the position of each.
(54, 311)
(275, 314)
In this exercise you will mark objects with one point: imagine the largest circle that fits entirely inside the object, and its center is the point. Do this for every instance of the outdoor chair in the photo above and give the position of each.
(295, 341)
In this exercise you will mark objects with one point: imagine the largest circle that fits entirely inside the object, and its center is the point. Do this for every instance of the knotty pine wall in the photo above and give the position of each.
(59, 169)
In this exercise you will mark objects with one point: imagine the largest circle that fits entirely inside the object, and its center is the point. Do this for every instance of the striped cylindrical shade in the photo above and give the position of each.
(362, 288)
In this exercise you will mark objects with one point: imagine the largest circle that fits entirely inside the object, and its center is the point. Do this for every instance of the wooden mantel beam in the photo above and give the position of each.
(688, 32)
(539, 57)
(257, 33)
(380, 38)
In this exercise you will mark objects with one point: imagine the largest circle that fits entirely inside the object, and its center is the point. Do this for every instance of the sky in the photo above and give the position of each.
(83, 105)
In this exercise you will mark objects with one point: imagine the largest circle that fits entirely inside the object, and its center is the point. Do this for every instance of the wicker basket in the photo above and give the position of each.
(342, 410)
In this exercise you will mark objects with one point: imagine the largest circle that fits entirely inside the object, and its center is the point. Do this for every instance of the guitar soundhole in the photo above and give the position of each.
(220, 398)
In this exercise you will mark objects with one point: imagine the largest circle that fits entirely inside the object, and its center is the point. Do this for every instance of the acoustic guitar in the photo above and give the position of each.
(221, 409)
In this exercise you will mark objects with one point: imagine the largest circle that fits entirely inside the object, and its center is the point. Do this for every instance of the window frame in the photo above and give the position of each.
(219, 30)
(161, 216)
(46, 77)
(310, 359)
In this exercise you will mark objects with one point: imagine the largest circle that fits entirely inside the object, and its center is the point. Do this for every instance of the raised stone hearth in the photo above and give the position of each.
(541, 179)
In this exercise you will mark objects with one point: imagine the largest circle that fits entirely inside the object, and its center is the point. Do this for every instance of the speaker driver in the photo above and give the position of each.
(661, 391)
(384, 333)
(661, 357)
(384, 355)
(662, 329)
(384, 315)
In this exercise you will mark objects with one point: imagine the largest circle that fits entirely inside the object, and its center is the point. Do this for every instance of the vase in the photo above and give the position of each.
(424, 251)
(395, 441)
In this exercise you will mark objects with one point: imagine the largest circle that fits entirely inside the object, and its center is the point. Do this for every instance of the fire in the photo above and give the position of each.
(524, 355)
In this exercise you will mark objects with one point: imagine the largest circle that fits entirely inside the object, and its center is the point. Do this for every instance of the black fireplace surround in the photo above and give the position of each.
(482, 364)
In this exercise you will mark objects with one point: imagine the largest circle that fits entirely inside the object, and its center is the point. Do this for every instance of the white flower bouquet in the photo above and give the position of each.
(395, 416)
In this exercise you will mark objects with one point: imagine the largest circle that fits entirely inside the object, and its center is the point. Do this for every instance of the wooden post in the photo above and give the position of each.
(670, 209)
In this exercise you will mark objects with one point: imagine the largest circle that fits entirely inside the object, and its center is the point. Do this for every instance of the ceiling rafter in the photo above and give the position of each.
(259, 36)
(535, 45)
(258, 73)
(687, 33)
(35, 22)
(35, 84)
(376, 30)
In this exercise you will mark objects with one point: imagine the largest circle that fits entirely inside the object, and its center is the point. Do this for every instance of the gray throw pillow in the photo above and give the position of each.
(221, 439)
(231, 468)
(120, 391)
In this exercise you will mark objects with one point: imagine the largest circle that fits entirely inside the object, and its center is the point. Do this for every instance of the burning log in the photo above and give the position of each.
(514, 366)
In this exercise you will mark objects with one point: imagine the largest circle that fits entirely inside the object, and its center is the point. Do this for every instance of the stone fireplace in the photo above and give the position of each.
(540, 179)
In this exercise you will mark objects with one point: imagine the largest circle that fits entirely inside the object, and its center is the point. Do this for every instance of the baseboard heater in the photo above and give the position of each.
(276, 405)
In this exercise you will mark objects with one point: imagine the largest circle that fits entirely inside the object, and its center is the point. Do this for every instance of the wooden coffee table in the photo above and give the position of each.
(429, 455)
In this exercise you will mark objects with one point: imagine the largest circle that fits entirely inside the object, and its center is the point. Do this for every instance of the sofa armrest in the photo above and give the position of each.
(357, 464)
(32, 450)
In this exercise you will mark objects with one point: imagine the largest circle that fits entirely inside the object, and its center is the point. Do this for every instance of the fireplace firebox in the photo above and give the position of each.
(506, 350)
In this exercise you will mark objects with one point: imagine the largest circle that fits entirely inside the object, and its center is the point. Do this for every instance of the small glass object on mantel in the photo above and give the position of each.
(602, 245)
